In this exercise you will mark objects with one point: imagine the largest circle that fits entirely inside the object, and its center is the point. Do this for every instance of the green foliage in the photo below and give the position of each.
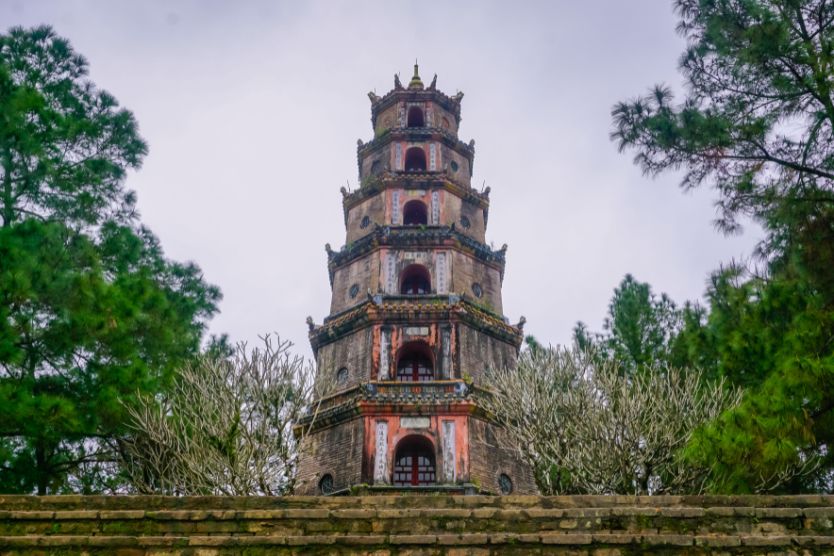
(86, 326)
(91, 313)
(757, 124)
(639, 329)
(772, 336)
(533, 344)
(65, 146)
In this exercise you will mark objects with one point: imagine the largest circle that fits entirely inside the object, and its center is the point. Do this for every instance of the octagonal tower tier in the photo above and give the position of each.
(416, 317)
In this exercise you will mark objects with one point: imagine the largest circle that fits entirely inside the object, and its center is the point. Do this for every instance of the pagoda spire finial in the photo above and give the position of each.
(416, 83)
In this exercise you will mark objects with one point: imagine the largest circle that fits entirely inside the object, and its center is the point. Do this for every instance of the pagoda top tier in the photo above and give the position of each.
(416, 92)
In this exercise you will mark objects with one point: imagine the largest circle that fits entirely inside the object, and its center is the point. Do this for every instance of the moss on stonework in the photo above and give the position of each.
(515, 522)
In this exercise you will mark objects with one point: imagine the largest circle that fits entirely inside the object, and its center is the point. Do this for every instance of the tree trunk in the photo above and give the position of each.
(41, 472)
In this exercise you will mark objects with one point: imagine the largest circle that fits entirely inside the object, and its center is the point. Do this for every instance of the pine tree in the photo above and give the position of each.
(91, 313)
(757, 124)
(639, 330)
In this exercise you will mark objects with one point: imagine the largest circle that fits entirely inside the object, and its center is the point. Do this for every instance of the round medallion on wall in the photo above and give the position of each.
(341, 376)
(366, 221)
(326, 484)
(477, 290)
(505, 483)
(465, 223)
(354, 291)
(454, 166)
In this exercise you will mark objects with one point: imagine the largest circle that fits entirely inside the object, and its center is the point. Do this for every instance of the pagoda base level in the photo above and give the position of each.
(378, 447)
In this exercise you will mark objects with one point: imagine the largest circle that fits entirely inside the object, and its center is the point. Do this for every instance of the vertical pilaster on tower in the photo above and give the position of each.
(416, 317)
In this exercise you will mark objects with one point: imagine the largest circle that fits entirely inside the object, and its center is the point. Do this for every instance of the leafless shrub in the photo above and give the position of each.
(585, 427)
(226, 427)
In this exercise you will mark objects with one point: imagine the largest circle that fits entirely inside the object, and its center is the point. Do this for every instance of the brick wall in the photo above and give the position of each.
(490, 454)
(353, 352)
(478, 352)
(335, 450)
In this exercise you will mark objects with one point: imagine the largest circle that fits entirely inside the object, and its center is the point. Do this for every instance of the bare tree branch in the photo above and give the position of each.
(586, 427)
(227, 427)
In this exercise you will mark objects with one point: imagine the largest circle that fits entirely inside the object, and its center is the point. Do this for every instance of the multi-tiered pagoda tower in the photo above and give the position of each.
(415, 318)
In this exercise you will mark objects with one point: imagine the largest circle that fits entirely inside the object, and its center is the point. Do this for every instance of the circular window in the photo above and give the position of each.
(366, 221)
(454, 166)
(477, 290)
(505, 483)
(354, 291)
(326, 484)
(341, 375)
(464, 221)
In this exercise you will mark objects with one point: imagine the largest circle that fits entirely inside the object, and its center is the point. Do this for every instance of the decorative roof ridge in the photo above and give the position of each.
(375, 184)
(382, 235)
(460, 305)
(392, 132)
(379, 102)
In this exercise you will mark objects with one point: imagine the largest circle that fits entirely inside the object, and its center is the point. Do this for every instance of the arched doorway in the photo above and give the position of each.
(414, 463)
(415, 160)
(415, 117)
(415, 280)
(415, 213)
(414, 363)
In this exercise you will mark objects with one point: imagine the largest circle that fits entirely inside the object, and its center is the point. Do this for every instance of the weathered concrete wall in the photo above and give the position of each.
(411, 525)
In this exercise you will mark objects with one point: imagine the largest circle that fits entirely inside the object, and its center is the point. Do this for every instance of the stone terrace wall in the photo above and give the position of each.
(411, 525)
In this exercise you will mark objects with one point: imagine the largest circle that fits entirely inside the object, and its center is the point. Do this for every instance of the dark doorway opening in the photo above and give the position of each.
(414, 462)
(415, 213)
(415, 117)
(415, 280)
(415, 160)
(414, 363)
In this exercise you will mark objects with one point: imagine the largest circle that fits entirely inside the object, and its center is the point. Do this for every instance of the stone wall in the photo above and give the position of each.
(412, 525)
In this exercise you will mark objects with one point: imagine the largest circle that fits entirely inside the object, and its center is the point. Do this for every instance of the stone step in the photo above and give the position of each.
(359, 520)
(415, 525)
(74, 502)
(494, 543)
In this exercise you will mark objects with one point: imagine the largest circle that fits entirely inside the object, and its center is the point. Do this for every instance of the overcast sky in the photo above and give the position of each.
(252, 111)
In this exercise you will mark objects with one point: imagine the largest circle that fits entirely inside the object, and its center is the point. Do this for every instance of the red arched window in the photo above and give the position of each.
(415, 117)
(414, 462)
(415, 280)
(415, 160)
(414, 363)
(415, 213)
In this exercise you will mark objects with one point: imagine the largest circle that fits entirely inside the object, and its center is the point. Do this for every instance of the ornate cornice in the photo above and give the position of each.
(414, 309)
(447, 397)
(416, 134)
(415, 236)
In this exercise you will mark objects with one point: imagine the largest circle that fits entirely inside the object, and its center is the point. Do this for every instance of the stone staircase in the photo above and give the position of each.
(411, 525)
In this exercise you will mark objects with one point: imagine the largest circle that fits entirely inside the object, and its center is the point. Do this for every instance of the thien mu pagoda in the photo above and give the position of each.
(415, 318)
